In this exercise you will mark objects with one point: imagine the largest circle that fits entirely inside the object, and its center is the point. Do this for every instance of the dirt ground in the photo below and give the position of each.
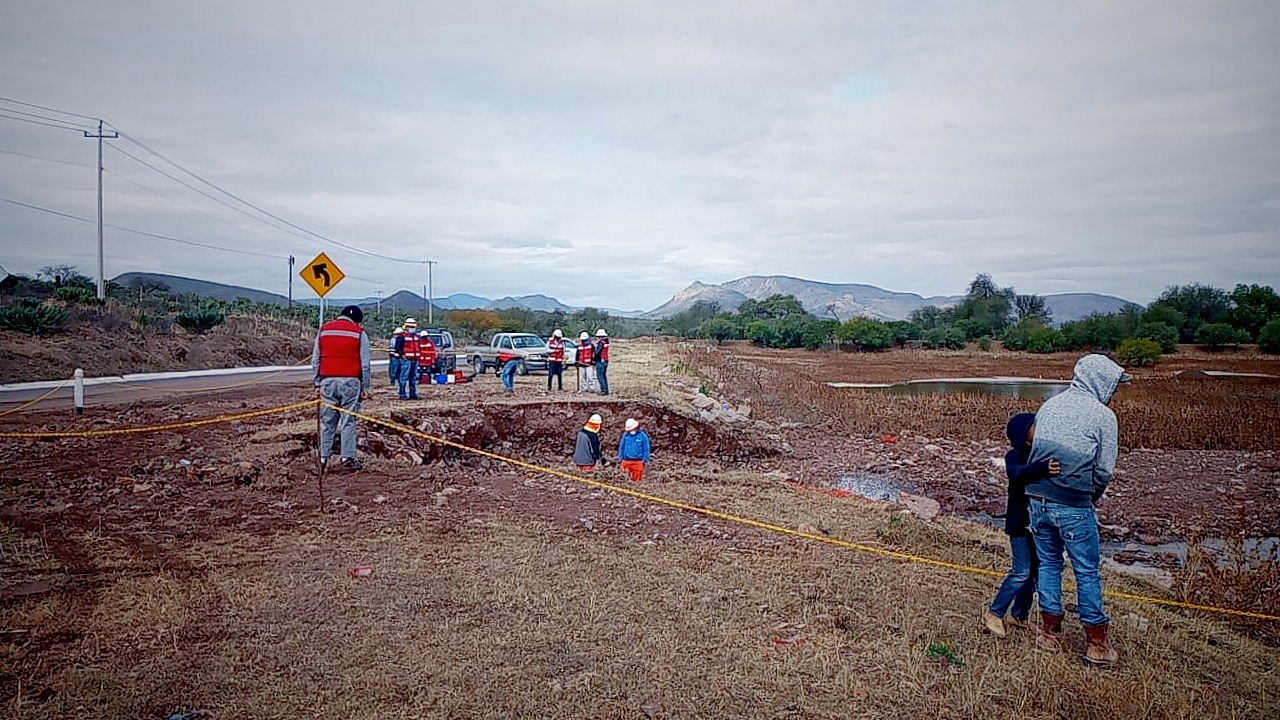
(111, 347)
(147, 575)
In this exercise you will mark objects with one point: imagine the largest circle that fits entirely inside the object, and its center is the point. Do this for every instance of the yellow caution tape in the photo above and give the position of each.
(28, 404)
(774, 528)
(158, 428)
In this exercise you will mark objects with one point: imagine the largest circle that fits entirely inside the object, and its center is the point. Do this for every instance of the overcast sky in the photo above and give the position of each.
(610, 153)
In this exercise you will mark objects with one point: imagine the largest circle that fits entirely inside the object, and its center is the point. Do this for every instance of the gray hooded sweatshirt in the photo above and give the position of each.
(1076, 428)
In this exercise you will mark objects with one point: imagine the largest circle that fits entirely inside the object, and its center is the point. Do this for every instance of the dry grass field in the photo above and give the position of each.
(133, 586)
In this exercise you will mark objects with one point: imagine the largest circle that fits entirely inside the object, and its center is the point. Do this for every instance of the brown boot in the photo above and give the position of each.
(994, 624)
(1050, 632)
(1099, 653)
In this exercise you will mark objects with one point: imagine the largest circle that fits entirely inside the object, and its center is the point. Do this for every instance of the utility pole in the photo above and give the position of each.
(102, 279)
(379, 294)
(431, 301)
(290, 282)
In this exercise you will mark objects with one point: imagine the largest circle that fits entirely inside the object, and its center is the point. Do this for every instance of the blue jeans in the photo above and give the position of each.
(345, 393)
(1019, 586)
(409, 375)
(602, 376)
(509, 375)
(1059, 528)
(393, 369)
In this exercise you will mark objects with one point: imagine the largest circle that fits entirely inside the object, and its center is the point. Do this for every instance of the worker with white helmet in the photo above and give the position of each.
(586, 360)
(555, 359)
(601, 355)
(586, 451)
(633, 450)
(393, 365)
(408, 346)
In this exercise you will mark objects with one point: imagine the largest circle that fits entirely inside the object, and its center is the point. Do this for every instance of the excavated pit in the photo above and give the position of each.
(547, 431)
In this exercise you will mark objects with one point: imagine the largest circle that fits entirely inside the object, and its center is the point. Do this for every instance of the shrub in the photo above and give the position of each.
(984, 343)
(77, 294)
(1219, 335)
(1138, 352)
(1032, 337)
(1269, 337)
(865, 334)
(200, 321)
(1100, 332)
(32, 318)
(944, 339)
(1162, 333)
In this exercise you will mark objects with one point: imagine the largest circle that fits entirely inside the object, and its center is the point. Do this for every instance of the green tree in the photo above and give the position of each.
(986, 309)
(930, 317)
(686, 323)
(1217, 336)
(1031, 307)
(1255, 306)
(589, 318)
(1269, 337)
(1199, 304)
(1099, 331)
(1162, 334)
(1031, 336)
(720, 328)
(773, 307)
(864, 334)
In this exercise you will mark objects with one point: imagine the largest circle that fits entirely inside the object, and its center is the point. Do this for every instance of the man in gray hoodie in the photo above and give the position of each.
(1076, 428)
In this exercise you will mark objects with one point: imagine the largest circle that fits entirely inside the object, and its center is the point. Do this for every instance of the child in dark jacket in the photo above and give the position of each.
(1019, 586)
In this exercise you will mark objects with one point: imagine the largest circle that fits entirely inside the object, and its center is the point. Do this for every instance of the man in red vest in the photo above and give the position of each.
(340, 361)
(407, 347)
(555, 358)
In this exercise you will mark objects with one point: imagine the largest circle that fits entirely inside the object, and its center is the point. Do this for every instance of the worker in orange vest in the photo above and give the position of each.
(555, 358)
(585, 360)
(340, 361)
(407, 346)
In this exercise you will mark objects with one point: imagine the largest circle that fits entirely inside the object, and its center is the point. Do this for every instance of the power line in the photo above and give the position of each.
(195, 189)
(268, 213)
(38, 116)
(48, 109)
(140, 232)
(38, 122)
(46, 159)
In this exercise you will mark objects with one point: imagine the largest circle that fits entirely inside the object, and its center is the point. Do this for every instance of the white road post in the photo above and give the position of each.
(79, 391)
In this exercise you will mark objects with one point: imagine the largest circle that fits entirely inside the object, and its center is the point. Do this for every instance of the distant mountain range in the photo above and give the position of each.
(843, 301)
(831, 300)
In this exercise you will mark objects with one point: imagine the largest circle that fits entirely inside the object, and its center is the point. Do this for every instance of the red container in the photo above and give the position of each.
(361, 571)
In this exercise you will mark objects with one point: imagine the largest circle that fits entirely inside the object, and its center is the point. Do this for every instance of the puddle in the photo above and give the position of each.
(1013, 387)
(872, 487)
(1151, 561)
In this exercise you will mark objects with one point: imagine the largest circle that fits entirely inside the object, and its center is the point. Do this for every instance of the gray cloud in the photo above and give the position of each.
(622, 151)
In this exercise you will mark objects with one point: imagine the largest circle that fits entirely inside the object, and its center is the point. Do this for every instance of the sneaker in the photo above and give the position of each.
(993, 623)
(351, 464)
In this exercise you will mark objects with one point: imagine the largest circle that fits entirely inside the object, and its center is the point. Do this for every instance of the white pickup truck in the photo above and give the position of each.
(529, 349)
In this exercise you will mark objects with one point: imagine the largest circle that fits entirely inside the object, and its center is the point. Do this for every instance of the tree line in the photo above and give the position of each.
(1192, 313)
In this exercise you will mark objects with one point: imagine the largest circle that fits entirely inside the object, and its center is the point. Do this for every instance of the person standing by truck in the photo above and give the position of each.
(555, 359)
(585, 360)
(407, 349)
(601, 356)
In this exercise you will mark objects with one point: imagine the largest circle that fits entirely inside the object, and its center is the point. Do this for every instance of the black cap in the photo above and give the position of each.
(354, 312)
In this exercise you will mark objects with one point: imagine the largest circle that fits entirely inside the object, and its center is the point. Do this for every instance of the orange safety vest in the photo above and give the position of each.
(426, 351)
(411, 345)
(555, 347)
(340, 348)
(585, 352)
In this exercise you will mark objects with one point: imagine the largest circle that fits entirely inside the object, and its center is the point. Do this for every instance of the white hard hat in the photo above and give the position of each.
(601, 333)
(398, 331)
(584, 336)
(410, 322)
(557, 333)
(632, 424)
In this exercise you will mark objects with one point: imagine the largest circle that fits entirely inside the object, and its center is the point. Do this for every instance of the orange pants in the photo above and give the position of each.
(634, 468)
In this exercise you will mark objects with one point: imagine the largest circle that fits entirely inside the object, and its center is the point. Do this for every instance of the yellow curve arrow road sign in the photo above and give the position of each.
(322, 274)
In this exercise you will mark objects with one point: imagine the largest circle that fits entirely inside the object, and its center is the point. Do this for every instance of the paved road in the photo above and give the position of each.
(149, 386)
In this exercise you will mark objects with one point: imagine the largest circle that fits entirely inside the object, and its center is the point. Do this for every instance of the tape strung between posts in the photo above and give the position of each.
(771, 527)
(45, 396)
(158, 428)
